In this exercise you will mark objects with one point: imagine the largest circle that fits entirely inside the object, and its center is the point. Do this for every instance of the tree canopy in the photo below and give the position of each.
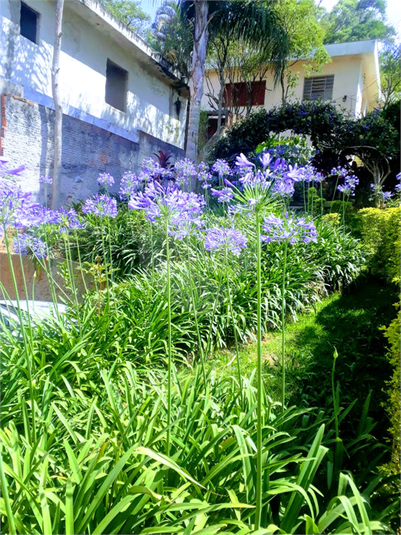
(129, 13)
(357, 20)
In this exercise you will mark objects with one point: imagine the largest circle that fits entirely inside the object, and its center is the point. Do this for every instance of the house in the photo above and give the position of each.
(351, 81)
(121, 101)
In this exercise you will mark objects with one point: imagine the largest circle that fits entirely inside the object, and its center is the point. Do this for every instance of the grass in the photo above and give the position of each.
(349, 322)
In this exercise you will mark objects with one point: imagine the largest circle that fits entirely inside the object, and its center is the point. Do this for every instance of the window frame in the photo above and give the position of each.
(114, 65)
(321, 94)
(37, 20)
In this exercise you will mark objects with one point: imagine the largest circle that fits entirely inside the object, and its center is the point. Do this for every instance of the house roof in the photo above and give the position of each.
(97, 15)
(350, 49)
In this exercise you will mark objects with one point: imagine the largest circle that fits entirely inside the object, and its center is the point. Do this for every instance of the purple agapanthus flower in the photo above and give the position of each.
(225, 239)
(386, 195)
(100, 205)
(69, 220)
(265, 159)
(204, 175)
(350, 183)
(242, 161)
(46, 180)
(105, 180)
(4, 170)
(26, 244)
(182, 211)
(224, 195)
(397, 188)
(288, 228)
(130, 184)
(185, 171)
(17, 207)
(221, 167)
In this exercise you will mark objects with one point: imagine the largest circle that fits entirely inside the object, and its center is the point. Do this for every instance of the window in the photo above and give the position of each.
(116, 86)
(243, 94)
(319, 88)
(29, 23)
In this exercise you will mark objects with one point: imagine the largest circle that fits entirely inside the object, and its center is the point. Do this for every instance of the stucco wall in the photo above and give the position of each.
(85, 50)
(349, 80)
(27, 138)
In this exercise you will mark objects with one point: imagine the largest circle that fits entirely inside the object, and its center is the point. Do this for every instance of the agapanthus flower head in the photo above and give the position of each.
(185, 171)
(26, 244)
(46, 180)
(221, 167)
(242, 161)
(265, 159)
(398, 177)
(204, 175)
(105, 180)
(17, 207)
(397, 188)
(181, 211)
(386, 195)
(288, 228)
(350, 183)
(100, 205)
(223, 195)
(225, 239)
(69, 220)
(5, 170)
(130, 184)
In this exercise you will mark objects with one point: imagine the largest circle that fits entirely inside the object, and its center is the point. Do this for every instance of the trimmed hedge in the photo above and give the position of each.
(381, 235)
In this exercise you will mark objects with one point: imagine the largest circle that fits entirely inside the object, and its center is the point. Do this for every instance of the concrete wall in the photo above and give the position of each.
(110, 141)
(349, 79)
(27, 138)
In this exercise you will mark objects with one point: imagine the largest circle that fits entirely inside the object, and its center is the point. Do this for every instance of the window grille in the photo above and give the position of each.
(319, 88)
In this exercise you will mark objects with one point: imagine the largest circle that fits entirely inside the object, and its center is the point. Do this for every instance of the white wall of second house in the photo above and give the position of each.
(85, 50)
(350, 80)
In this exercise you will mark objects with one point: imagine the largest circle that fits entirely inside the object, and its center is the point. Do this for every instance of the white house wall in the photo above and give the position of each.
(83, 60)
(353, 78)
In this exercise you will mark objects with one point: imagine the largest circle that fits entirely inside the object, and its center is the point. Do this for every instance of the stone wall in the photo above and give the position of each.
(27, 138)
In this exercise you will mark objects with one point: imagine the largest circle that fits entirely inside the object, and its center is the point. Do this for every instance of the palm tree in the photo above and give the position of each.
(255, 22)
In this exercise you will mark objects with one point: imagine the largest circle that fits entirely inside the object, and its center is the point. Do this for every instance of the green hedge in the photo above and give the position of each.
(392, 333)
(381, 235)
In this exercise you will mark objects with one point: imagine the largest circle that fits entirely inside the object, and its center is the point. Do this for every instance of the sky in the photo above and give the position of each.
(393, 10)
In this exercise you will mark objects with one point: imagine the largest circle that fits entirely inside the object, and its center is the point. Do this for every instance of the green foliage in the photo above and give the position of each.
(95, 463)
(172, 36)
(332, 219)
(357, 20)
(317, 119)
(390, 58)
(392, 333)
(374, 137)
(129, 13)
(294, 149)
(381, 236)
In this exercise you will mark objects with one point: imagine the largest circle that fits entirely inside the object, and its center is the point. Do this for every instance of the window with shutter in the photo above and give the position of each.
(319, 88)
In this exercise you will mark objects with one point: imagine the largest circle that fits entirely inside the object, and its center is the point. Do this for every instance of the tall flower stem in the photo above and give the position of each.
(258, 511)
(196, 322)
(334, 192)
(234, 323)
(169, 365)
(321, 196)
(283, 307)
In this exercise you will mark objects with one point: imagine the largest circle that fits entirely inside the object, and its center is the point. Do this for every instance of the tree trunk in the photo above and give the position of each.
(58, 117)
(196, 76)
(221, 102)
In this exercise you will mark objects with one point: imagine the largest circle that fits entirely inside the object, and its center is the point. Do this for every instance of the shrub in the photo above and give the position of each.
(392, 333)
(381, 236)
(333, 219)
